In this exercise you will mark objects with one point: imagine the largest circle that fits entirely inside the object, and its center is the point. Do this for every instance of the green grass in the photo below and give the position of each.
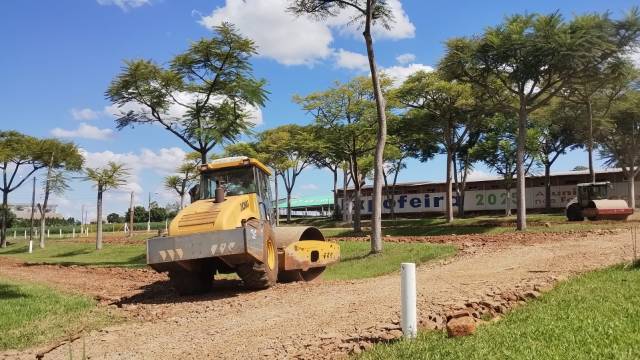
(435, 226)
(34, 314)
(592, 317)
(357, 263)
(80, 253)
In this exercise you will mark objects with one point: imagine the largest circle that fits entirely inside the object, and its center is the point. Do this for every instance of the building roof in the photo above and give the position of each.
(307, 201)
(499, 178)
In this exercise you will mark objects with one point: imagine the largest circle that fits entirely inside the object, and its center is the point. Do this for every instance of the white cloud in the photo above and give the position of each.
(403, 59)
(84, 114)
(401, 27)
(177, 111)
(299, 40)
(124, 4)
(279, 35)
(162, 162)
(351, 60)
(84, 131)
(400, 73)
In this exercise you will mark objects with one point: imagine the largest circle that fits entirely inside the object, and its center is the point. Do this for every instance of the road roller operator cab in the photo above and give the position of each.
(230, 228)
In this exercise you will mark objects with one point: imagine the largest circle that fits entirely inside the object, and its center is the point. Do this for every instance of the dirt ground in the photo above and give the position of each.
(324, 319)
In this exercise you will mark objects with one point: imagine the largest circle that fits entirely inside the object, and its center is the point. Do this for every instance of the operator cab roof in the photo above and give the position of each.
(234, 162)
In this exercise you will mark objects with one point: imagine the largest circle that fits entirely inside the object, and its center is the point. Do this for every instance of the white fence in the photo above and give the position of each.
(479, 200)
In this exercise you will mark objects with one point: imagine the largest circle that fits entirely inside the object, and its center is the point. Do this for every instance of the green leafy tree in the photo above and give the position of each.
(497, 149)
(620, 145)
(187, 176)
(440, 108)
(556, 131)
(594, 91)
(289, 147)
(19, 154)
(204, 97)
(9, 217)
(114, 218)
(531, 58)
(348, 112)
(62, 157)
(140, 214)
(325, 156)
(368, 13)
(109, 177)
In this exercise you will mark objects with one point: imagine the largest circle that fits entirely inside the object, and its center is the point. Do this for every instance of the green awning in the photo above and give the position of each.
(308, 201)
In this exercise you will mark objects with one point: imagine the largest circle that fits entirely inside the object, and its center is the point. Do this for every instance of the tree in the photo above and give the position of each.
(19, 154)
(186, 178)
(9, 216)
(204, 97)
(394, 162)
(442, 108)
(114, 218)
(556, 132)
(347, 111)
(620, 146)
(62, 156)
(498, 150)
(140, 214)
(369, 13)
(324, 155)
(532, 58)
(289, 147)
(109, 177)
(594, 90)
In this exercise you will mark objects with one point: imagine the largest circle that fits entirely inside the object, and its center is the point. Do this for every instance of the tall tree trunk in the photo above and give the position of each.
(507, 204)
(345, 180)
(99, 219)
(547, 187)
(45, 203)
(592, 171)
(449, 189)
(182, 201)
(288, 206)
(632, 190)
(376, 214)
(336, 213)
(522, 139)
(357, 222)
(5, 212)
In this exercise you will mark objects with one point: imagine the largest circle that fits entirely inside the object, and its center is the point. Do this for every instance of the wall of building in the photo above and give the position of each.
(489, 199)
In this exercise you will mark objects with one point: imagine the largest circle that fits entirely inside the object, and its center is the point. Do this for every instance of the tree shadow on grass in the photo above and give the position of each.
(8, 291)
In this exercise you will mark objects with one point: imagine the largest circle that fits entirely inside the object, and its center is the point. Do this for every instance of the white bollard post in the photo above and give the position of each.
(30, 246)
(25, 234)
(408, 320)
(48, 233)
(73, 233)
(60, 233)
(14, 234)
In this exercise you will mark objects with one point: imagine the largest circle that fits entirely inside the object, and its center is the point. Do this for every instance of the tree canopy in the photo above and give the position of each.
(204, 97)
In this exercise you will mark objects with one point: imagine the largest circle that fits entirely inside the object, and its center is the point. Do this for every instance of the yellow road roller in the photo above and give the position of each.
(229, 227)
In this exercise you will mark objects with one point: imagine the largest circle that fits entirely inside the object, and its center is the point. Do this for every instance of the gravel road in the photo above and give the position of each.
(325, 319)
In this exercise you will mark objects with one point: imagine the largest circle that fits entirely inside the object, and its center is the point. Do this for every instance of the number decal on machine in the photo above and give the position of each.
(244, 205)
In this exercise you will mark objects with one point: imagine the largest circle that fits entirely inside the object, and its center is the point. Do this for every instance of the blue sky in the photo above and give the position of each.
(58, 58)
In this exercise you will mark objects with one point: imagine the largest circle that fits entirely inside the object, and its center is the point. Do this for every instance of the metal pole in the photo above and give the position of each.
(408, 320)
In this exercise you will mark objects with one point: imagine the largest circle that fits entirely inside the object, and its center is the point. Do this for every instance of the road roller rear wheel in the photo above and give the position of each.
(258, 275)
(574, 212)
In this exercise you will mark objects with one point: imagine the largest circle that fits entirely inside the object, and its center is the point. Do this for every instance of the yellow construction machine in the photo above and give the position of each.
(230, 227)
